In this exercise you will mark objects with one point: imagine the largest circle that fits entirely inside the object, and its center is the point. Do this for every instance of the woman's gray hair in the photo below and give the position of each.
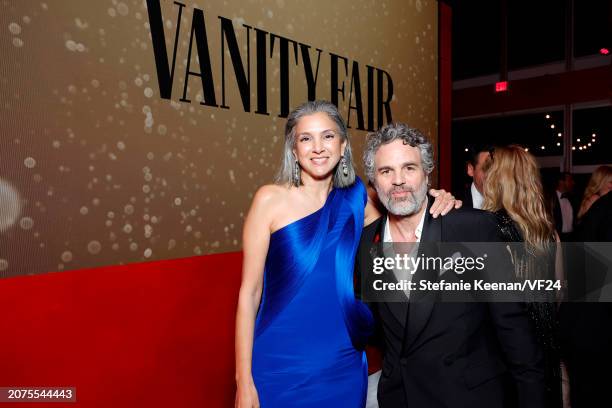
(286, 171)
(390, 133)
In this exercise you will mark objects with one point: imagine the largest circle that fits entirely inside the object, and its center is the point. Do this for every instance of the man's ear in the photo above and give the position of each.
(470, 170)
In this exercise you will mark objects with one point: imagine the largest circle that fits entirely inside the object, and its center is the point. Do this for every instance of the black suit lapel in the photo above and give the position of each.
(468, 201)
(421, 302)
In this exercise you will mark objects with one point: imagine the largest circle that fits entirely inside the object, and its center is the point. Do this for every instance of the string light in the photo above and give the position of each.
(573, 147)
(578, 140)
(559, 134)
(558, 143)
(542, 147)
(589, 145)
(467, 150)
(547, 116)
(552, 126)
(526, 149)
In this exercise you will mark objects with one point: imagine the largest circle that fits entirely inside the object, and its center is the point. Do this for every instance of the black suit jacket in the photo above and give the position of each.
(555, 207)
(454, 354)
(468, 202)
(596, 224)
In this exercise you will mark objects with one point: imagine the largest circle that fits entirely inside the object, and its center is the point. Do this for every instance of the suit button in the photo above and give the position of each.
(448, 361)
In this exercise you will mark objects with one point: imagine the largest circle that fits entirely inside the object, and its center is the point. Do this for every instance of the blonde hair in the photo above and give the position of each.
(512, 183)
(600, 177)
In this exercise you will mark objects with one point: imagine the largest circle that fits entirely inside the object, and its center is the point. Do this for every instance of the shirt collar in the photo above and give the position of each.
(477, 198)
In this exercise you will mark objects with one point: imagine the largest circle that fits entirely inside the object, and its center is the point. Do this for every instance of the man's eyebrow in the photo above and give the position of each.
(408, 163)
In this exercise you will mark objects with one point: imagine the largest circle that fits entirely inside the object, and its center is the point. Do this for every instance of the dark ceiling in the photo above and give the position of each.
(536, 32)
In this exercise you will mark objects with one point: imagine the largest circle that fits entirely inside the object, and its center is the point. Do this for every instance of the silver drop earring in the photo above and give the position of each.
(296, 174)
(344, 167)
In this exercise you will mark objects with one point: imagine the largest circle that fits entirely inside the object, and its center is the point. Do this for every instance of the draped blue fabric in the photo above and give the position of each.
(310, 329)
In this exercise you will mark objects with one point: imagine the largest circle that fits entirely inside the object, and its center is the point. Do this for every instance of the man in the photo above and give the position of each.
(478, 157)
(441, 354)
(563, 212)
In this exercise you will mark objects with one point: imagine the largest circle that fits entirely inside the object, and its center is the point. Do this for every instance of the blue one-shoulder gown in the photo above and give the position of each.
(310, 329)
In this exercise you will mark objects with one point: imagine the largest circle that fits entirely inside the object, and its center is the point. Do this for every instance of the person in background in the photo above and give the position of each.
(562, 209)
(513, 192)
(599, 185)
(477, 158)
(586, 324)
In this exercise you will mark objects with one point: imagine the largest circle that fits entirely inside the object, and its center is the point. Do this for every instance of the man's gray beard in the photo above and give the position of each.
(407, 205)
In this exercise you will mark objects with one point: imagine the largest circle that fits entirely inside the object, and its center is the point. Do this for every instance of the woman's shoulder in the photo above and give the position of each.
(507, 227)
(267, 204)
(590, 200)
(270, 194)
(359, 183)
(358, 188)
(268, 191)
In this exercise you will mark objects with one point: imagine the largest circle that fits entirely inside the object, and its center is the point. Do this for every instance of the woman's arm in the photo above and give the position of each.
(256, 238)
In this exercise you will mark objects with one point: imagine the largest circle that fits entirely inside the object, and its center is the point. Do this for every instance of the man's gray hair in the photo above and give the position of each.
(285, 173)
(390, 133)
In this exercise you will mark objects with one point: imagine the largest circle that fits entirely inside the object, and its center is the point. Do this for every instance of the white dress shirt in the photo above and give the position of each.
(371, 400)
(411, 249)
(477, 198)
(567, 213)
(417, 232)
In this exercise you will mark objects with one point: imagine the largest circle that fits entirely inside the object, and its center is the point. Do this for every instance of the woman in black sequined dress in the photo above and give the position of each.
(513, 192)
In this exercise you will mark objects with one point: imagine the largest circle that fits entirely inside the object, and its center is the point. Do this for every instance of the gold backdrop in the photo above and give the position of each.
(97, 169)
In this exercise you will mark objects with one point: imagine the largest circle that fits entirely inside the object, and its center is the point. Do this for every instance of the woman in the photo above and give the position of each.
(513, 192)
(599, 185)
(300, 331)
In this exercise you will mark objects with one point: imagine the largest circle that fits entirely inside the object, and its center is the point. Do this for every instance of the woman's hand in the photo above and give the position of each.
(443, 203)
(246, 396)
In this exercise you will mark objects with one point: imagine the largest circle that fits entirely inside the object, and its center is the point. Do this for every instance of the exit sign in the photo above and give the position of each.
(501, 86)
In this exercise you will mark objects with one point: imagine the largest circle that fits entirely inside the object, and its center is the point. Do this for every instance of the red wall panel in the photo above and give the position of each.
(156, 334)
